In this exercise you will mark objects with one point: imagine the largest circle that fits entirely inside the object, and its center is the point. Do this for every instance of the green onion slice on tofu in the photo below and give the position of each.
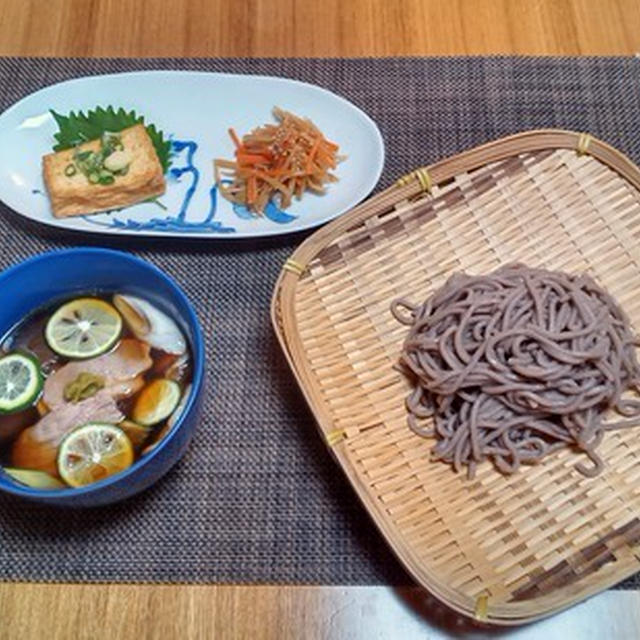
(101, 167)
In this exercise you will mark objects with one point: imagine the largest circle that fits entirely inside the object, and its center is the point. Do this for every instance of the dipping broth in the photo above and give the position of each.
(87, 387)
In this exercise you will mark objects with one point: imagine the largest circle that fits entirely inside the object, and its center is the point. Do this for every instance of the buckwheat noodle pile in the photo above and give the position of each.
(513, 365)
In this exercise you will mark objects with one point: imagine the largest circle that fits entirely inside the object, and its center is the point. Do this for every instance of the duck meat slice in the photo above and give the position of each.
(120, 370)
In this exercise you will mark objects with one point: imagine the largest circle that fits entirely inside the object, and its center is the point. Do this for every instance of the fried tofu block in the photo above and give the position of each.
(75, 195)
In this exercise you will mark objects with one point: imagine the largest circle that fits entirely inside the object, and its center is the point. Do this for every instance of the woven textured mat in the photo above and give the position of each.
(257, 497)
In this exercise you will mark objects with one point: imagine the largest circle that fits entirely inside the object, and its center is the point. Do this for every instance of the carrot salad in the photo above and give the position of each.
(277, 161)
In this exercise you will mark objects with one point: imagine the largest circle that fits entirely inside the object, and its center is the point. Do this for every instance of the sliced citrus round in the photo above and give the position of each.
(156, 402)
(20, 382)
(92, 453)
(34, 479)
(83, 328)
(135, 432)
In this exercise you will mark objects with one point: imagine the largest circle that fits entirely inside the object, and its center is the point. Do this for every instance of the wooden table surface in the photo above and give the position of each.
(318, 28)
(300, 28)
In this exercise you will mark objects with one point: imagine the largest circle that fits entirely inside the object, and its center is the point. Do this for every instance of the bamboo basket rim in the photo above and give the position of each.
(285, 327)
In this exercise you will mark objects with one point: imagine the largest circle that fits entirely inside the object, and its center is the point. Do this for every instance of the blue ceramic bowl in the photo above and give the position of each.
(60, 274)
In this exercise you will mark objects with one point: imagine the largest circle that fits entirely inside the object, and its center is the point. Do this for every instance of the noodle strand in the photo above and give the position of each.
(514, 365)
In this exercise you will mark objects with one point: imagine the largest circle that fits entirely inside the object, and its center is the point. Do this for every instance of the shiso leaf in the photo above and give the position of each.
(78, 127)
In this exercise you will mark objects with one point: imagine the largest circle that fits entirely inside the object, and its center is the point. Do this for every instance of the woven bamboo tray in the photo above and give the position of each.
(505, 550)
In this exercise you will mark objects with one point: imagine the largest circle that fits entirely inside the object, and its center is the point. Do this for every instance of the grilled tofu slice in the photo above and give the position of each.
(73, 194)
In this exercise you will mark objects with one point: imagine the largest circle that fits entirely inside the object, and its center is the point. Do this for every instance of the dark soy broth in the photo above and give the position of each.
(88, 385)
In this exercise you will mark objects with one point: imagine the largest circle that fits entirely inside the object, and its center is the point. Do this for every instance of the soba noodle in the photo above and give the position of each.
(513, 365)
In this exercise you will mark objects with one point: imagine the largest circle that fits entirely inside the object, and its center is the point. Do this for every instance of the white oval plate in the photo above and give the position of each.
(195, 110)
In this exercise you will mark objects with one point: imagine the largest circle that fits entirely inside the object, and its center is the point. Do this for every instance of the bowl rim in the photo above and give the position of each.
(7, 485)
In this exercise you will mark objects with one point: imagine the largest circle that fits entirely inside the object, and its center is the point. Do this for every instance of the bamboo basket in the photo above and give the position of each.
(505, 550)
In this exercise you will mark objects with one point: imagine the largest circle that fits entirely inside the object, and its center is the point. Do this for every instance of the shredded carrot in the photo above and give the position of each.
(251, 158)
(251, 190)
(280, 161)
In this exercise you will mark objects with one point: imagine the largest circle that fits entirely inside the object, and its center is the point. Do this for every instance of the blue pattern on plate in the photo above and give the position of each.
(173, 223)
(177, 172)
(271, 211)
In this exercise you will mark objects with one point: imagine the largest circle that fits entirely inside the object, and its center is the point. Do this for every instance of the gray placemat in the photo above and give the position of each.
(257, 497)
